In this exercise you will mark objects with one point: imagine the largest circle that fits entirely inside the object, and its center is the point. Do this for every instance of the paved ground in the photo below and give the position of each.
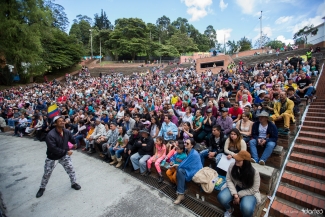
(105, 191)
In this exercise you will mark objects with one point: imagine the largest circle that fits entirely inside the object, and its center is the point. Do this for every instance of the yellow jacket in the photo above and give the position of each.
(289, 108)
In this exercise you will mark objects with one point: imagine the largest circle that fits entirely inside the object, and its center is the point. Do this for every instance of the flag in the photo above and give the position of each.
(53, 111)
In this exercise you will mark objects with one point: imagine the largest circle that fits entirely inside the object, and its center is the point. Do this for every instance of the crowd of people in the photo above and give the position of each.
(174, 120)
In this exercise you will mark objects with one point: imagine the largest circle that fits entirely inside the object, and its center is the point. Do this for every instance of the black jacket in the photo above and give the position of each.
(219, 147)
(57, 146)
(144, 150)
(132, 141)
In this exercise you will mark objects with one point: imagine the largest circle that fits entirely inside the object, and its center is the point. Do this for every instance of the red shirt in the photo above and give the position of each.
(235, 112)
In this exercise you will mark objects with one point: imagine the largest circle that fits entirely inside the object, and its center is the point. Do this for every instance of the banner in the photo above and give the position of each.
(53, 111)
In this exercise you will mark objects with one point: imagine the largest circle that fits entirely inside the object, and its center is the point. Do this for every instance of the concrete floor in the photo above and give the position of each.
(105, 191)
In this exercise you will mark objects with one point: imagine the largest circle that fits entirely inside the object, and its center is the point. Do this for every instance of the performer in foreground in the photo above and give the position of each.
(57, 149)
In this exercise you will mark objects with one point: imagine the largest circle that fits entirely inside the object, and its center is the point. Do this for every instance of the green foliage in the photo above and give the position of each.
(211, 33)
(245, 44)
(33, 39)
(130, 36)
(102, 22)
(275, 44)
(182, 43)
(304, 32)
(262, 42)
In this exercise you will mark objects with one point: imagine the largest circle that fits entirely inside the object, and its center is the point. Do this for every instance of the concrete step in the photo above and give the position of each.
(314, 129)
(315, 114)
(304, 182)
(312, 134)
(307, 170)
(315, 118)
(298, 196)
(310, 141)
(313, 150)
(307, 159)
(315, 123)
(281, 207)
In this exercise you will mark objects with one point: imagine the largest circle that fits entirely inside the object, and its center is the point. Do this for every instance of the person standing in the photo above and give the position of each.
(57, 149)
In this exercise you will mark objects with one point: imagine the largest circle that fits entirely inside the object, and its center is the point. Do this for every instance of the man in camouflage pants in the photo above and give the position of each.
(57, 149)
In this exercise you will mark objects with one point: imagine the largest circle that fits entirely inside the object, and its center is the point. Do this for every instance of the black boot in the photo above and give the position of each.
(148, 173)
(161, 179)
(40, 192)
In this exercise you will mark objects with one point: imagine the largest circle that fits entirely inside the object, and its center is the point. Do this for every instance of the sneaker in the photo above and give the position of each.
(252, 160)
(76, 186)
(262, 162)
(40, 192)
(148, 173)
(161, 179)
(228, 214)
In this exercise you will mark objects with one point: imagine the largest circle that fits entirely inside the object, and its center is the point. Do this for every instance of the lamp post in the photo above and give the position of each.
(91, 42)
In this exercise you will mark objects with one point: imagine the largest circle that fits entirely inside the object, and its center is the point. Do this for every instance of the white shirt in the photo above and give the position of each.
(262, 131)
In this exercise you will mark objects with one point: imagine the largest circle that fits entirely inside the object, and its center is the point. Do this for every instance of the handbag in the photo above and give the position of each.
(71, 146)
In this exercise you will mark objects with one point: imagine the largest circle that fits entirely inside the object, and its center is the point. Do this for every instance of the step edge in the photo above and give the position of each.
(301, 190)
(290, 204)
(303, 176)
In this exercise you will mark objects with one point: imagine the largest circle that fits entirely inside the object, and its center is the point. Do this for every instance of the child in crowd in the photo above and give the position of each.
(175, 160)
(91, 130)
(157, 158)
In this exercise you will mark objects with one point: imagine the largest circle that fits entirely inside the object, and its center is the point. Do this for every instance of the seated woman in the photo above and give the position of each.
(118, 149)
(21, 126)
(175, 160)
(187, 169)
(242, 186)
(91, 130)
(186, 132)
(245, 126)
(234, 144)
(81, 134)
(244, 101)
(160, 154)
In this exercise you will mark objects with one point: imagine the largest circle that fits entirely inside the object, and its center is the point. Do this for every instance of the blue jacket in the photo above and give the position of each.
(192, 164)
(271, 132)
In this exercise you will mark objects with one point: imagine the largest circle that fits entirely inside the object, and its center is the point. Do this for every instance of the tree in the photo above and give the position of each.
(167, 50)
(83, 17)
(244, 44)
(304, 32)
(181, 24)
(262, 43)
(163, 23)
(233, 46)
(80, 29)
(21, 25)
(130, 36)
(182, 43)
(275, 44)
(102, 21)
(211, 33)
(60, 19)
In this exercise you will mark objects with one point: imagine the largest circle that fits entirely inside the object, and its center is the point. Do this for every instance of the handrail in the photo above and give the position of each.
(290, 150)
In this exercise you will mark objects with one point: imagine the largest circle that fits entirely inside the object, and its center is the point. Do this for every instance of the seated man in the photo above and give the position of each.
(207, 124)
(291, 93)
(144, 149)
(305, 86)
(264, 134)
(215, 144)
(235, 113)
(128, 123)
(225, 121)
(168, 129)
(283, 110)
(99, 131)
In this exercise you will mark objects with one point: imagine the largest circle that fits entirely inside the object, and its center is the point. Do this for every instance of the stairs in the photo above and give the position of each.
(302, 185)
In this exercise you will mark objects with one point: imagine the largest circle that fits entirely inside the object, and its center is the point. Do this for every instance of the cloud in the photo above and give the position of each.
(284, 40)
(222, 5)
(265, 31)
(283, 19)
(223, 34)
(247, 6)
(321, 9)
(197, 8)
(306, 22)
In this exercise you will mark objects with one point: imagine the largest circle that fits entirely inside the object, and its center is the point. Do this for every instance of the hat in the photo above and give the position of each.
(263, 114)
(261, 91)
(224, 110)
(56, 118)
(209, 110)
(147, 123)
(144, 131)
(242, 155)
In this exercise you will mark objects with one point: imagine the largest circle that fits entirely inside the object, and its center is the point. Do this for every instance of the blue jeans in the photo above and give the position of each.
(118, 152)
(11, 122)
(78, 138)
(204, 154)
(309, 91)
(269, 146)
(180, 177)
(247, 203)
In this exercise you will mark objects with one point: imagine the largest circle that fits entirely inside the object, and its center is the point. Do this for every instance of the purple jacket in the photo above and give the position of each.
(174, 120)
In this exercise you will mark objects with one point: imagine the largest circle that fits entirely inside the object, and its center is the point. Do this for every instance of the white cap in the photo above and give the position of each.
(56, 118)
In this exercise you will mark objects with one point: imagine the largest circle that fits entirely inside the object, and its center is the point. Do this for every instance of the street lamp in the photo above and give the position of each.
(91, 42)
